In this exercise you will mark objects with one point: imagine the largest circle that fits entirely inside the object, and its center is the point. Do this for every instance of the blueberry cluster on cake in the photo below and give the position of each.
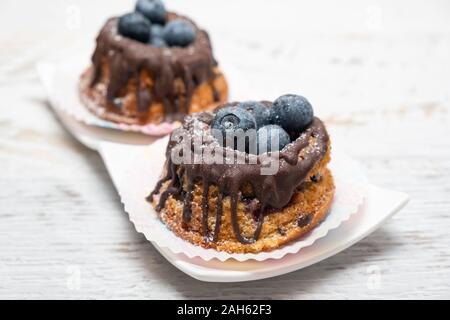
(151, 66)
(252, 195)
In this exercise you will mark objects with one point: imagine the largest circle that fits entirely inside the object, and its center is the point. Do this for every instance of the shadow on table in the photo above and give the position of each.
(292, 285)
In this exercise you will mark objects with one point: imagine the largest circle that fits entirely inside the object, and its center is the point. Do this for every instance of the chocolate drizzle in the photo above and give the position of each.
(272, 191)
(175, 72)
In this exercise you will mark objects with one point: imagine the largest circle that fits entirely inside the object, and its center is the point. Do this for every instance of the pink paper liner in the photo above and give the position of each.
(61, 81)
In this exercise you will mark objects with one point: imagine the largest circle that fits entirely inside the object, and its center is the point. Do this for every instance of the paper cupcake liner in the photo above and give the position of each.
(144, 172)
(61, 81)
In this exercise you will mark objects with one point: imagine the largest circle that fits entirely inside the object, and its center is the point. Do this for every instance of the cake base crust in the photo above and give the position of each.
(307, 208)
(206, 96)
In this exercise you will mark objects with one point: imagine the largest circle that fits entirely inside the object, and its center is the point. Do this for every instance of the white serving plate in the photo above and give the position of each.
(379, 206)
(371, 216)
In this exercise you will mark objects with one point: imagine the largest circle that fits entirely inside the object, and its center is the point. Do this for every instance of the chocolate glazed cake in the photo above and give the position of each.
(134, 82)
(233, 207)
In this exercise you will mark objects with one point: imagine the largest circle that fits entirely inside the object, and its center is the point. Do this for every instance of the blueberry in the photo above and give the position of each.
(235, 121)
(232, 118)
(259, 111)
(269, 134)
(156, 36)
(135, 26)
(153, 10)
(157, 31)
(179, 33)
(292, 112)
(158, 42)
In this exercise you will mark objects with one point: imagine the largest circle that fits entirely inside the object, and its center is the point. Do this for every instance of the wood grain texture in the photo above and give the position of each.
(378, 72)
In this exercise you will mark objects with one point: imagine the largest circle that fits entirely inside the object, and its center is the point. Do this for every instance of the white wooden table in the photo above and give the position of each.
(377, 71)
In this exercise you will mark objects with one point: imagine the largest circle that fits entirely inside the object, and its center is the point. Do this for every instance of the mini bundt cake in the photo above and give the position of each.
(246, 196)
(151, 66)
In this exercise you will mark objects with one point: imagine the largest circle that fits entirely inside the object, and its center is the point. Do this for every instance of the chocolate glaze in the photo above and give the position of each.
(128, 58)
(296, 160)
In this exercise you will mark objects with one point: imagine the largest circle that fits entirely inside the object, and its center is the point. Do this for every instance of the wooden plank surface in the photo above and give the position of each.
(377, 71)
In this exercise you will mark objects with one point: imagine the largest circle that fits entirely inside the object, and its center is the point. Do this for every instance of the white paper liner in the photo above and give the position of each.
(61, 81)
(145, 170)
